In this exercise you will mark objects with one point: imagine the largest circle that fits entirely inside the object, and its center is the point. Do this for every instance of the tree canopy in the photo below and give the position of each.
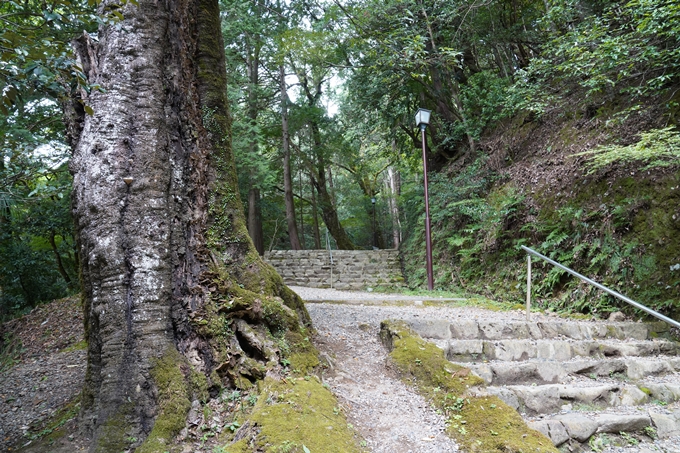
(349, 75)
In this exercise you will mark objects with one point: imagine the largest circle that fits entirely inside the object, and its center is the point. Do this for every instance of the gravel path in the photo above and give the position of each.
(387, 413)
(357, 297)
(35, 390)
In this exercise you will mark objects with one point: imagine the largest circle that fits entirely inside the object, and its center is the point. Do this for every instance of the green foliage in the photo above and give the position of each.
(37, 249)
(35, 47)
(452, 57)
(598, 243)
(468, 223)
(656, 148)
(37, 255)
(606, 49)
(616, 232)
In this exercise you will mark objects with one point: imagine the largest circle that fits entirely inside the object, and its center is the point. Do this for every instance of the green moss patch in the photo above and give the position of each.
(480, 424)
(79, 346)
(304, 362)
(423, 362)
(493, 426)
(114, 433)
(298, 415)
(173, 397)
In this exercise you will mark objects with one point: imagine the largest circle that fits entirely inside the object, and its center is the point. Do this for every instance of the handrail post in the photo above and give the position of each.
(528, 287)
(330, 254)
(637, 305)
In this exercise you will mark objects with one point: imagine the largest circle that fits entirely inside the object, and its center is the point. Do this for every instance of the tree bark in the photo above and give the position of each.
(328, 211)
(330, 217)
(287, 178)
(57, 258)
(254, 213)
(315, 218)
(331, 186)
(255, 220)
(395, 192)
(159, 225)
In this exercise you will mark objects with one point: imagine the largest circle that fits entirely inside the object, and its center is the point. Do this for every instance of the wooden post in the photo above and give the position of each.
(528, 287)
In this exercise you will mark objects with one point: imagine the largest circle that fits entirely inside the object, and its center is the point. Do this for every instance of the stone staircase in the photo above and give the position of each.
(350, 269)
(587, 386)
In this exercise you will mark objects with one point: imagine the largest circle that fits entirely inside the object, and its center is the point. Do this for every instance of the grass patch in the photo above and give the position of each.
(480, 424)
(79, 346)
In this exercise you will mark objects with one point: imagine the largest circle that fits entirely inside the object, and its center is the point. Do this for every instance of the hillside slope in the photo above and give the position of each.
(526, 185)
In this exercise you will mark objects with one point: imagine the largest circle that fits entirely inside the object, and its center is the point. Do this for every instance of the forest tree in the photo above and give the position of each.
(177, 301)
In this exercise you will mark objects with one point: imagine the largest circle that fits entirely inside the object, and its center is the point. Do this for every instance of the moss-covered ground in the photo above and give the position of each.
(295, 415)
(480, 424)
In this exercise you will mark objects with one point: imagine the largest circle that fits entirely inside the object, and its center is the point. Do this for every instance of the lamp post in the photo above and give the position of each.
(373, 203)
(422, 121)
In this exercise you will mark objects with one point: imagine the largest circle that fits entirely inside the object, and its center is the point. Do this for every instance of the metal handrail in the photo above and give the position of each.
(592, 282)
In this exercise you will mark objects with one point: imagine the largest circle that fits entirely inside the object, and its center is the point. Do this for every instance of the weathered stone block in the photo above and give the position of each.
(579, 427)
(465, 329)
(431, 328)
(552, 429)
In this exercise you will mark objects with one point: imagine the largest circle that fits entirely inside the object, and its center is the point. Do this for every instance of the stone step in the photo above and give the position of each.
(552, 398)
(467, 329)
(537, 371)
(518, 350)
(585, 385)
(574, 429)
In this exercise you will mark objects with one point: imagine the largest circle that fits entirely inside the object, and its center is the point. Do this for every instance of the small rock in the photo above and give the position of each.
(617, 316)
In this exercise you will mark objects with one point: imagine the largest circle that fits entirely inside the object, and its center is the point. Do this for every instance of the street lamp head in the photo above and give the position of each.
(423, 118)
(373, 200)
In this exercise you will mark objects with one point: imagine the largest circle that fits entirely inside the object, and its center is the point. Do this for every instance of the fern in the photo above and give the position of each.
(657, 148)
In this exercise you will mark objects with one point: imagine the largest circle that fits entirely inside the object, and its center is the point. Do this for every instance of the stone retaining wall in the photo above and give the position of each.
(351, 269)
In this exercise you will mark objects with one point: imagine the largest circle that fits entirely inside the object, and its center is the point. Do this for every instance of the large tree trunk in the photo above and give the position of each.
(255, 220)
(287, 178)
(254, 213)
(394, 179)
(330, 216)
(159, 225)
(328, 211)
(315, 217)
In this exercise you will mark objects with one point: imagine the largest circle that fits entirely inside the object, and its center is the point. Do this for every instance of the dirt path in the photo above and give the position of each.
(388, 414)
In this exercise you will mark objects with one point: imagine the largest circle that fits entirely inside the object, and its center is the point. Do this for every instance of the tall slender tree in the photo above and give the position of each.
(287, 177)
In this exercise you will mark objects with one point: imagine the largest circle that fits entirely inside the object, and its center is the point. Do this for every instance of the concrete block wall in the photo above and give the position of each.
(352, 269)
